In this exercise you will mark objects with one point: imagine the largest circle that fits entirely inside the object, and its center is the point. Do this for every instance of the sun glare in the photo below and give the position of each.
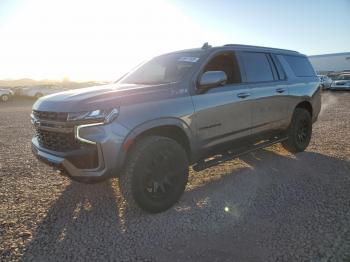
(90, 40)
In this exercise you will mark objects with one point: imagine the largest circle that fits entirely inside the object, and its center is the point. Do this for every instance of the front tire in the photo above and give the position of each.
(155, 175)
(299, 133)
(5, 98)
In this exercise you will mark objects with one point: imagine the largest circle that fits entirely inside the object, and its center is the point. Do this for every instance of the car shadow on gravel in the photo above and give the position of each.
(92, 222)
(84, 217)
(291, 196)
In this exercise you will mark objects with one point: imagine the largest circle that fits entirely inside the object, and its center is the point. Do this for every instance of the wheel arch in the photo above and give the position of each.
(172, 128)
(305, 105)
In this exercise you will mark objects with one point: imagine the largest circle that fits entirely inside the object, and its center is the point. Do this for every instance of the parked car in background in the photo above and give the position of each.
(5, 94)
(342, 82)
(325, 81)
(17, 90)
(39, 91)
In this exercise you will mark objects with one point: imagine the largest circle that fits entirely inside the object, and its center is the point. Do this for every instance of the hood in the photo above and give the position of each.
(101, 97)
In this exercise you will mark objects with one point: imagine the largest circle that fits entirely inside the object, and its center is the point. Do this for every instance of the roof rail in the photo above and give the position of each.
(261, 47)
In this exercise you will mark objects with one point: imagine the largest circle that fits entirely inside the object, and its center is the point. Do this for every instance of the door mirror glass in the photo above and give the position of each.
(211, 79)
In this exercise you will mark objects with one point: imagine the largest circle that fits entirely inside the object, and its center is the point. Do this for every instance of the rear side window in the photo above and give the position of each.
(257, 67)
(300, 65)
(280, 71)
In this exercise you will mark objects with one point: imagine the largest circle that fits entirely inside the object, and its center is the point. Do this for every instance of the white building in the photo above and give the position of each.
(331, 62)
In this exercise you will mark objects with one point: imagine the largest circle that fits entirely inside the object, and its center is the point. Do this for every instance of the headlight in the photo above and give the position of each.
(103, 115)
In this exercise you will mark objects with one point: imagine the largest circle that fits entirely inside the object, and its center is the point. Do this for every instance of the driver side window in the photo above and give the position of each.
(227, 63)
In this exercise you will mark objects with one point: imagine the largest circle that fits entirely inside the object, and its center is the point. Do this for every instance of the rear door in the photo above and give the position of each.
(266, 80)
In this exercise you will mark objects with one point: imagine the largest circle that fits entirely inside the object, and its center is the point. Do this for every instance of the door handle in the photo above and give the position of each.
(243, 95)
(280, 90)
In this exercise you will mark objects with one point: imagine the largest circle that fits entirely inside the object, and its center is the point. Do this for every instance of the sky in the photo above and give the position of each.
(101, 40)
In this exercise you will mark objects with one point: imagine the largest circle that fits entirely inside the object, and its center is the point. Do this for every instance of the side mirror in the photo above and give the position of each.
(212, 79)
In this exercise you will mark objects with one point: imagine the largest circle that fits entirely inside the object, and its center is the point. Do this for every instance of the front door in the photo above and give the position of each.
(223, 114)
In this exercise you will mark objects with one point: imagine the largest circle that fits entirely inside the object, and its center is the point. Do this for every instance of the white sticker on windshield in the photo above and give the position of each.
(190, 59)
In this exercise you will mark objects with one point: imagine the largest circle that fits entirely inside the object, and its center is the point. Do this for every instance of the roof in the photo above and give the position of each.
(250, 47)
(241, 47)
(334, 54)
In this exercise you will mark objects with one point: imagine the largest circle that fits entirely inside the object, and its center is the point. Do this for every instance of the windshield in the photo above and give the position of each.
(163, 69)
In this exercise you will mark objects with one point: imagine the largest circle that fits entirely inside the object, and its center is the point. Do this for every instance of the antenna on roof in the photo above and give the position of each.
(206, 45)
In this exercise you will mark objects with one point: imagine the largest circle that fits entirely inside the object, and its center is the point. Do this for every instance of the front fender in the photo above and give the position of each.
(160, 122)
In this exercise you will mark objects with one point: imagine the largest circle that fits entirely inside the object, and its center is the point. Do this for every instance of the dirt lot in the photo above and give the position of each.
(266, 206)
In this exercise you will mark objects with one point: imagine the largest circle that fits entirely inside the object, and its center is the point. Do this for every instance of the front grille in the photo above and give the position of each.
(63, 141)
(56, 141)
(51, 116)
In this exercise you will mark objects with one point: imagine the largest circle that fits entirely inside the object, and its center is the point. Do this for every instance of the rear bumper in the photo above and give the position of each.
(108, 150)
(316, 105)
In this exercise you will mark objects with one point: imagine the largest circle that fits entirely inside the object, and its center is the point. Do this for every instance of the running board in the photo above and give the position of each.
(229, 155)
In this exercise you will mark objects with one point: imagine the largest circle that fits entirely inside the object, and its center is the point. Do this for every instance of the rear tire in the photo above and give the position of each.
(155, 174)
(299, 133)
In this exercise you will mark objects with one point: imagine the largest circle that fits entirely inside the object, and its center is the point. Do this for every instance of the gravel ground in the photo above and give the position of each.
(266, 206)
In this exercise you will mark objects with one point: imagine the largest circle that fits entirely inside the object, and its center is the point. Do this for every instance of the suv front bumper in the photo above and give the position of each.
(108, 148)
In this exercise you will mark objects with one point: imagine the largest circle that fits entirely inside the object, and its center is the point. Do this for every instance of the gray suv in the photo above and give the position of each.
(197, 107)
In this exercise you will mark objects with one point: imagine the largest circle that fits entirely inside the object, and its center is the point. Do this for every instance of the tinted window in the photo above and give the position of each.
(227, 63)
(280, 71)
(300, 65)
(257, 67)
